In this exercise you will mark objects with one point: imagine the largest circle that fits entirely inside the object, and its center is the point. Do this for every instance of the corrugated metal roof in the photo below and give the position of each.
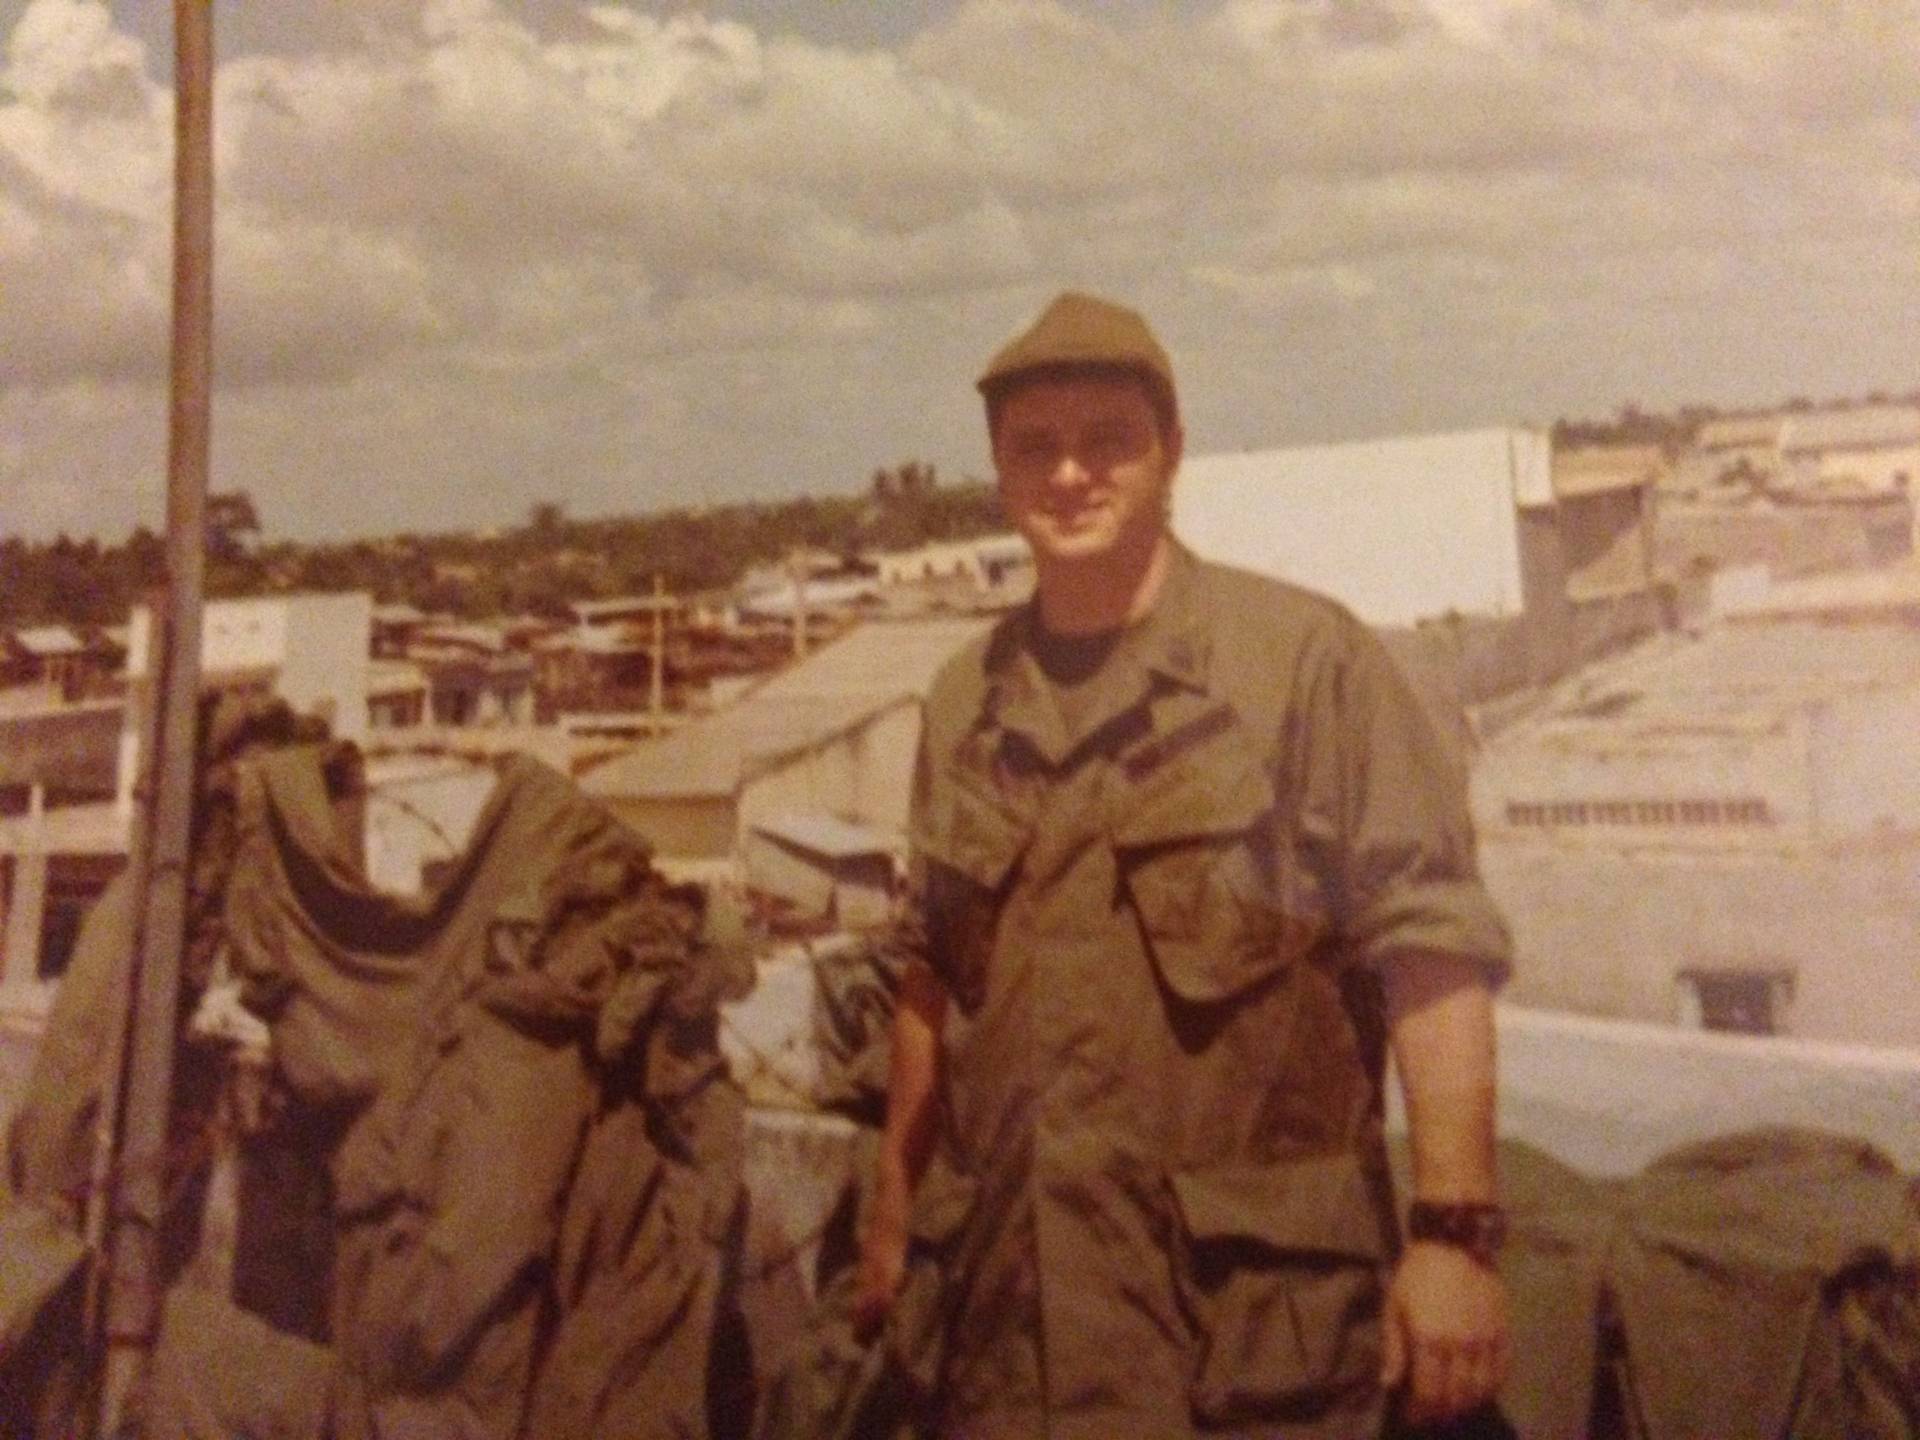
(1362, 521)
(870, 669)
(47, 640)
(881, 657)
(826, 835)
(1869, 427)
(591, 611)
(394, 677)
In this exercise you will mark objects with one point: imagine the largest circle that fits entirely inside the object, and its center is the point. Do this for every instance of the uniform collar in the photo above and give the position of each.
(1170, 644)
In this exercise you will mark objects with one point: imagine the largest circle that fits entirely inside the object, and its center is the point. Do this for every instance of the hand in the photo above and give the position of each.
(883, 1264)
(1446, 1332)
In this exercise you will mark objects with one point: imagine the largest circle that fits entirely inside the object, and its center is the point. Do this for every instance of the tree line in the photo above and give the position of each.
(537, 568)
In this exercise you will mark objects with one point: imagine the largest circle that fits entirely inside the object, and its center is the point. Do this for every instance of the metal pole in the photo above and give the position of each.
(657, 687)
(133, 1236)
(799, 567)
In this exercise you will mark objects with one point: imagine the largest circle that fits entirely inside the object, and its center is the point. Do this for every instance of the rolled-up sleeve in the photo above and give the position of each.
(1386, 805)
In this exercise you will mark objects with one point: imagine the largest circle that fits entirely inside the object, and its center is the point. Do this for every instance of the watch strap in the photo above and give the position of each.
(1479, 1228)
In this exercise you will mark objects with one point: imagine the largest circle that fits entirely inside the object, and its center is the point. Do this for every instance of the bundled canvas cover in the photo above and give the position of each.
(538, 1151)
(1764, 1284)
(508, 1095)
(50, 1141)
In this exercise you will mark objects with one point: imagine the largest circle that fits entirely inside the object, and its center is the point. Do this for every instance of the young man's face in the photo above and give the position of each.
(1085, 472)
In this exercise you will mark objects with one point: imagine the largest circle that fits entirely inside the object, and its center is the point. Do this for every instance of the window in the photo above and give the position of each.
(1691, 811)
(1742, 1001)
(74, 882)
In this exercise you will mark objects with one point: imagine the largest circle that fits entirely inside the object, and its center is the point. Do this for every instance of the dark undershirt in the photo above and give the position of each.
(1071, 665)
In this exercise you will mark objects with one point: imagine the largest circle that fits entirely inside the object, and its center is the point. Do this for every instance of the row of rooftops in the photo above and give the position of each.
(1859, 427)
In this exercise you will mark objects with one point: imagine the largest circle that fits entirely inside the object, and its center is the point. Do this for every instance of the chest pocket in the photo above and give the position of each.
(1210, 872)
(967, 848)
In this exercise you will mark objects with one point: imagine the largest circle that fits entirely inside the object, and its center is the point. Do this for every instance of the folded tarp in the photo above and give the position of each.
(218, 1373)
(539, 1146)
(39, 1253)
(1766, 1284)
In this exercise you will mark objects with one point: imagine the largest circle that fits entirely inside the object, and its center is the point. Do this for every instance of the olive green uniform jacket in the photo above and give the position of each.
(1159, 1205)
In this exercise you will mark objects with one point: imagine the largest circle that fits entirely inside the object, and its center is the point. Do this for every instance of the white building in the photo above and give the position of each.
(985, 562)
(1870, 449)
(1399, 530)
(1722, 829)
(312, 651)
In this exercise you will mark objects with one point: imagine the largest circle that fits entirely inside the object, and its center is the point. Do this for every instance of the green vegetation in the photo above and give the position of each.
(537, 568)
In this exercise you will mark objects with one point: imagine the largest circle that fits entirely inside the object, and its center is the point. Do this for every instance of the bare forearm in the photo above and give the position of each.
(1441, 1016)
(912, 1079)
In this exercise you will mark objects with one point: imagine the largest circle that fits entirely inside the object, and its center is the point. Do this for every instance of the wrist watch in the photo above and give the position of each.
(1479, 1228)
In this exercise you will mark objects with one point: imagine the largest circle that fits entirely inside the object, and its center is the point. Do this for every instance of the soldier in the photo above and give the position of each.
(1187, 859)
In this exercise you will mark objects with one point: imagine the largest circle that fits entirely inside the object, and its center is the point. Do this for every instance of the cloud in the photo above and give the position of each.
(581, 211)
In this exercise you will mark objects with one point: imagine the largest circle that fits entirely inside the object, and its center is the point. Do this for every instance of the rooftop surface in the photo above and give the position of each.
(1865, 428)
(1738, 675)
(869, 669)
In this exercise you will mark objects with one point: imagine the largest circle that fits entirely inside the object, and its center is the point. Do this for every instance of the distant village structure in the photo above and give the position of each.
(1687, 680)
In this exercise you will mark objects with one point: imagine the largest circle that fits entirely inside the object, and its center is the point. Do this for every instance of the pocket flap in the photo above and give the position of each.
(1227, 795)
(1318, 1205)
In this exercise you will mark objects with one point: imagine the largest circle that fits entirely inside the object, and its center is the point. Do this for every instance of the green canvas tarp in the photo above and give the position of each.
(1765, 1284)
(504, 1100)
(538, 1150)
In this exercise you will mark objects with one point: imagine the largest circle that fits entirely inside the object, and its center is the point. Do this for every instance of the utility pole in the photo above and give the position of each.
(798, 565)
(138, 1131)
(657, 686)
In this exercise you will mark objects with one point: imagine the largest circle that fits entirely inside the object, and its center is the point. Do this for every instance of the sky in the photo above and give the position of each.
(475, 256)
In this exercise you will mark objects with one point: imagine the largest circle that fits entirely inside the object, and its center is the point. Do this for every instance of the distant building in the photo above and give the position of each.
(394, 628)
(1866, 450)
(1723, 828)
(69, 662)
(397, 695)
(54, 863)
(832, 734)
(984, 562)
(1733, 439)
(1604, 501)
(1510, 565)
(61, 836)
(311, 650)
(474, 678)
(603, 667)
(1360, 521)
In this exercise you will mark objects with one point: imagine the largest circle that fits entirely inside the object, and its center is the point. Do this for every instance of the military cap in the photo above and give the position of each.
(1077, 330)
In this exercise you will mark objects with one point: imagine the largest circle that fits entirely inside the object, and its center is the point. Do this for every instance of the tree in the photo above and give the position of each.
(233, 524)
